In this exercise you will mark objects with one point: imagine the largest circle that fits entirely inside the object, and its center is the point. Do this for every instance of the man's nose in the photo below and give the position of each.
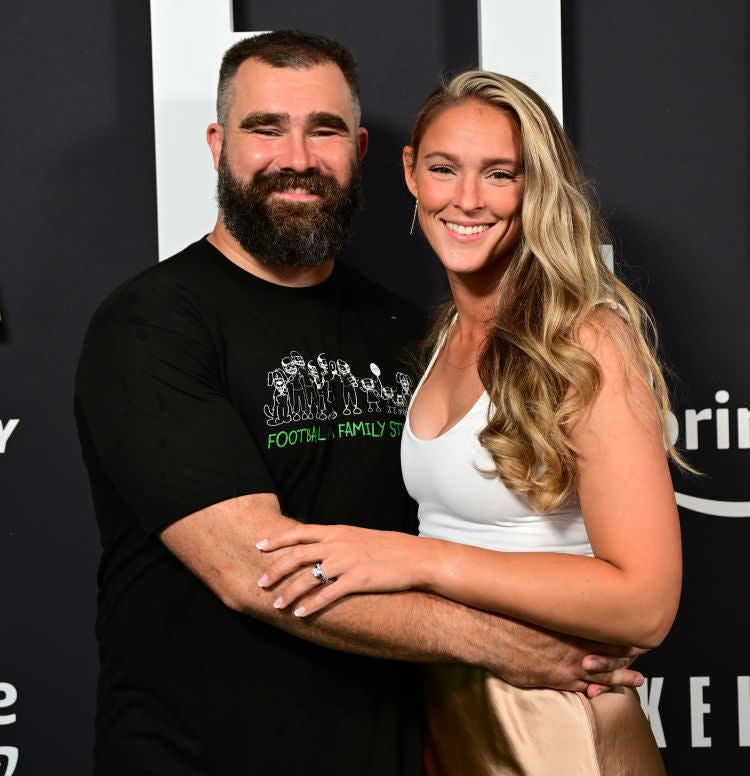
(295, 155)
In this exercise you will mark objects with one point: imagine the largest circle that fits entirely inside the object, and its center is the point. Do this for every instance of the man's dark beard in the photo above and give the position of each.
(280, 232)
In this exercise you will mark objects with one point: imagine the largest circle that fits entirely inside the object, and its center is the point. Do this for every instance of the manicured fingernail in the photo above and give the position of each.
(263, 581)
(278, 603)
(591, 664)
(261, 544)
(639, 681)
(299, 611)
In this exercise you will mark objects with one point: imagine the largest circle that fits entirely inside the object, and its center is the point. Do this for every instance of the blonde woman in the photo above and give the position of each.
(535, 444)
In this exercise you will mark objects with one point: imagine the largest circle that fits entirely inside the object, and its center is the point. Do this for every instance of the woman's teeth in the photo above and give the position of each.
(459, 229)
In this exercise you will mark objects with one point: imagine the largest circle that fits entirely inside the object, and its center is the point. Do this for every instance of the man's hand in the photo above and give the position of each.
(528, 656)
(608, 671)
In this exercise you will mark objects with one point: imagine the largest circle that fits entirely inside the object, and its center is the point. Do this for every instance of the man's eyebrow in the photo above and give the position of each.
(260, 119)
(325, 119)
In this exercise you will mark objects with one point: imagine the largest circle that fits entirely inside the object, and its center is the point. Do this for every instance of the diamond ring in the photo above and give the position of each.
(319, 574)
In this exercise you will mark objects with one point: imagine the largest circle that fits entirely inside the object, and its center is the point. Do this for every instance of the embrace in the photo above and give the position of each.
(472, 608)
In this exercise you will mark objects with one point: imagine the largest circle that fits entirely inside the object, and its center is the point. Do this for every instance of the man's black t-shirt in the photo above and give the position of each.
(199, 382)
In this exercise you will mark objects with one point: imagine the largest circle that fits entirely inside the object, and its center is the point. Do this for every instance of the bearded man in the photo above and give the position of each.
(195, 410)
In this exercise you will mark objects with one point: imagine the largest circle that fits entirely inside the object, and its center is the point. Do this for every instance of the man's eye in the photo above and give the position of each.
(324, 132)
(266, 131)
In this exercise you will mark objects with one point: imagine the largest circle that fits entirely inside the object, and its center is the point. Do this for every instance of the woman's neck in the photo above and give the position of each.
(475, 306)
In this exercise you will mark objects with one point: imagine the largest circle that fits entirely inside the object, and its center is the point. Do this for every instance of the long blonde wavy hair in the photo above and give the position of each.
(555, 282)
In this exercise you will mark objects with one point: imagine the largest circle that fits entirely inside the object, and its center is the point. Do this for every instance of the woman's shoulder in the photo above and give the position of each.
(608, 334)
(607, 324)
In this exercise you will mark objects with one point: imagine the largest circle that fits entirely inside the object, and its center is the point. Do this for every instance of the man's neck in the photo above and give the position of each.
(295, 277)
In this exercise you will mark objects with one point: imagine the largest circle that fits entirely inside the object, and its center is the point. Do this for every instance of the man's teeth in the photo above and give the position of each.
(297, 191)
(467, 229)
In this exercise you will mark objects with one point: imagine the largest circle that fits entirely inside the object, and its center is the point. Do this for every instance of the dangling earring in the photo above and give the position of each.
(414, 217)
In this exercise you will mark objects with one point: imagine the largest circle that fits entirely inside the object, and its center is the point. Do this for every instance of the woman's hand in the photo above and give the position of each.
(355, 560)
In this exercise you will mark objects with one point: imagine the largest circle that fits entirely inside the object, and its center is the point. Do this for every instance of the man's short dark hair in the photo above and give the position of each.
(285, 48)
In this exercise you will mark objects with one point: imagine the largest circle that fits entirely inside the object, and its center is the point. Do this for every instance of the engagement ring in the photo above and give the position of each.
(318, 573)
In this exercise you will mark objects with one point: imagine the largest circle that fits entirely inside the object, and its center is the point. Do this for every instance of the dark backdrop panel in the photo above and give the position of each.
(656, 100)
(78, 217)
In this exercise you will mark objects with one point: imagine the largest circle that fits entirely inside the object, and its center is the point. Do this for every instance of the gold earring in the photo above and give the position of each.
(414, 217)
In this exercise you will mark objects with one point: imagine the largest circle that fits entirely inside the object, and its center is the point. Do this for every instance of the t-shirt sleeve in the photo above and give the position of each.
(153, 416)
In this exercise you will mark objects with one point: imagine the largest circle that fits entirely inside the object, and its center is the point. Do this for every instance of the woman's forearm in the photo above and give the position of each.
(579, 595)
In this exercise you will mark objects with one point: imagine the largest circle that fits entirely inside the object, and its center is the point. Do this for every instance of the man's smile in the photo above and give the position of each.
(295, 195)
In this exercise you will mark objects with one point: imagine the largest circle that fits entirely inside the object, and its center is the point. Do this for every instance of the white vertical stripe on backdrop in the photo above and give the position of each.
(524, 40)
(188, 38)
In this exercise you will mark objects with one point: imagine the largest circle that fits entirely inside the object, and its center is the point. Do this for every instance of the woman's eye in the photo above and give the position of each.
(441, 169)
(501, 175)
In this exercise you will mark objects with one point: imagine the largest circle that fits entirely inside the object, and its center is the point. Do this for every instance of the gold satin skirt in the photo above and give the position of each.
(479, 725)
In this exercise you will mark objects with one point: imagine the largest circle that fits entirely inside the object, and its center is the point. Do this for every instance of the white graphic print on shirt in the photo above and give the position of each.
(321, 389)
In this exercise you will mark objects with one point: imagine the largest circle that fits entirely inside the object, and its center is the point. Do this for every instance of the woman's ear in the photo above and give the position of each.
(407, 158)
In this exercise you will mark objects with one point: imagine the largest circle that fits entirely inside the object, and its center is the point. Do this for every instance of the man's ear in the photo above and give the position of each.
(215, 140)
(362, 142)
(407, 159)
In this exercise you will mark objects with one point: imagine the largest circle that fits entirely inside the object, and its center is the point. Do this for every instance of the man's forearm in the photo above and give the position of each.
(420, 627)
(218, 544)
(410, 626)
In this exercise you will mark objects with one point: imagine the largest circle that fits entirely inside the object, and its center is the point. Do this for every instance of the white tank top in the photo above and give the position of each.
(459, 503)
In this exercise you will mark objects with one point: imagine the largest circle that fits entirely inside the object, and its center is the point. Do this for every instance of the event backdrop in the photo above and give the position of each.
(655, 97)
